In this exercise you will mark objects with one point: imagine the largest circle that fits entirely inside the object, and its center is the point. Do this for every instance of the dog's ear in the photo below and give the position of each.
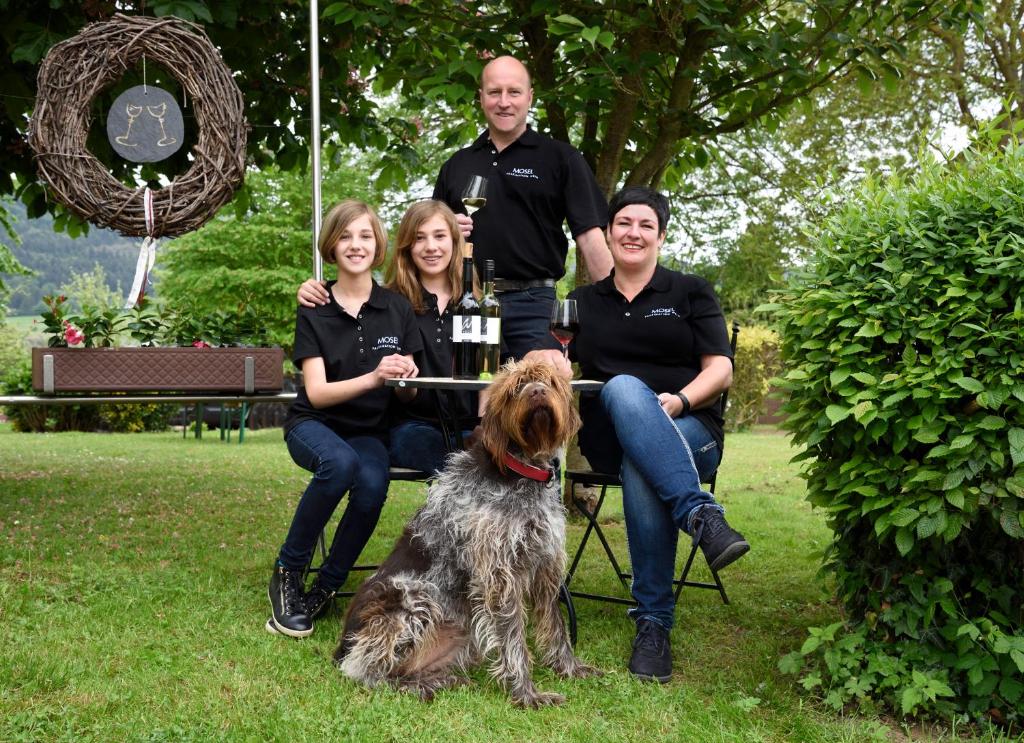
(494, 437)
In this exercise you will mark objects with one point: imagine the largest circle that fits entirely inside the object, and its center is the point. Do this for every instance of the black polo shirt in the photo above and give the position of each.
(350, 347)
(435, 360)
(659, 338)
(533, 186)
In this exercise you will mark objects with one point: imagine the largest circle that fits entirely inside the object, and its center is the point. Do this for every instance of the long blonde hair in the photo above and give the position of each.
(401, 275)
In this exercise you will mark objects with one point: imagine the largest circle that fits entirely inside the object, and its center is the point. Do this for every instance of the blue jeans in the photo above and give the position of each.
(358, 466)
(664, 461)
(525, 317)
(420, 446)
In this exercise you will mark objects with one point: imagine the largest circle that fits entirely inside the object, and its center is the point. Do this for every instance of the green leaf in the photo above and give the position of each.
(838, 376)
(969, 383)
(1016, 438)
(1011, 689)
(570, 20)
(1011, 523)
(590, 34)
(865, 378)
(904, 516)
(904, 541)
(837, 413)
(991, 423)
(791, 663)
(961, 441)
(811, 644)
(870, 329)
(928, 525)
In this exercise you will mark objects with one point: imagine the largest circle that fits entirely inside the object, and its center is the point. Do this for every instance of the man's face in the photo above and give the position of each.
(505, 96)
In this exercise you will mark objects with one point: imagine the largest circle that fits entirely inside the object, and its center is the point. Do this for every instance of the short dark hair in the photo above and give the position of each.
(640, 195)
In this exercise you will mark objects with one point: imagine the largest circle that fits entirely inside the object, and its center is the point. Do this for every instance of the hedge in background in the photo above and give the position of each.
(757, 363)
(904, 350)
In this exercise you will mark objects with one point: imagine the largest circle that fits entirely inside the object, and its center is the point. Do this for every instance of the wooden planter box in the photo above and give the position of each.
(243, 370)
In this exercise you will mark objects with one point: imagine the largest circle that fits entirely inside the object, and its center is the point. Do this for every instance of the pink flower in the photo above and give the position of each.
(200, 344)
(73, 335)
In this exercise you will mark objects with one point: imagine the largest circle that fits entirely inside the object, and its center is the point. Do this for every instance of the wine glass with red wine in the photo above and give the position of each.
(565, 323)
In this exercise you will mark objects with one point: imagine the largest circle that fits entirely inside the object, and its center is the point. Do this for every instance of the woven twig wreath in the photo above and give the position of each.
(76, 70)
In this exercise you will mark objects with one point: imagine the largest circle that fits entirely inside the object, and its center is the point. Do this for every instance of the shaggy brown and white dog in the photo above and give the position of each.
(485, 549)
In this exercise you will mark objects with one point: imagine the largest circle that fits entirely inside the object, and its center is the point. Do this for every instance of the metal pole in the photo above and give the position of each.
(314, 88)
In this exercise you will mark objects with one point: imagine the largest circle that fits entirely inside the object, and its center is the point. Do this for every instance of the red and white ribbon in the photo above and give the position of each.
(147, 255)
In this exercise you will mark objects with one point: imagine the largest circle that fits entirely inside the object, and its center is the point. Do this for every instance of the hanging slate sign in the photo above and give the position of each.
(144, 125)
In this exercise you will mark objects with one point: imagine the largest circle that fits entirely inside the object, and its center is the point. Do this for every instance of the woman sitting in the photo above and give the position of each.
(658, 340)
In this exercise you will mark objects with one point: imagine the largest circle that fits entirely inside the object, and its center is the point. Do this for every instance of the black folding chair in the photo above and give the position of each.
(589, 478)
(396, 474)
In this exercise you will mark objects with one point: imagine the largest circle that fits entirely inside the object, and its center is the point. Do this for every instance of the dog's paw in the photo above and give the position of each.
(537, 699)
(581, 671)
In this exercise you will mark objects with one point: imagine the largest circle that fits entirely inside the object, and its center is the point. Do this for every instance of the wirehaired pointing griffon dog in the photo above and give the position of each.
(486, 549)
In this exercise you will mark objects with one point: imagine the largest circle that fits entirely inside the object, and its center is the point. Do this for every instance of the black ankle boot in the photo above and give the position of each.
(318, 600)
(288, 615)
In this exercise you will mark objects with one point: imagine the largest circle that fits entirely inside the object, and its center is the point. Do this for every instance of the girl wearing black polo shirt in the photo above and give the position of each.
(658, 340)
(337, 426)
(426, 270)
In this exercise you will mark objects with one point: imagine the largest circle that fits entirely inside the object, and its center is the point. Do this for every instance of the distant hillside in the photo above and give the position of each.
(55, 258)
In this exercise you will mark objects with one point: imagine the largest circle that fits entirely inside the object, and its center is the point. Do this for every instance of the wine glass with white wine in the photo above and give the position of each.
(474, 195)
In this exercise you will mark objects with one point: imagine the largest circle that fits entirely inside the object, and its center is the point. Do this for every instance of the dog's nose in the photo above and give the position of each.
(535, 390)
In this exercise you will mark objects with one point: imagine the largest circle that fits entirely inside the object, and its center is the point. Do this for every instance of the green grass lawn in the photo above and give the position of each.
(133, 573)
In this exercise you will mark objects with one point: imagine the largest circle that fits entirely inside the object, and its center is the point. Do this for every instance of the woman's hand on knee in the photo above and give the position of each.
(671, 404)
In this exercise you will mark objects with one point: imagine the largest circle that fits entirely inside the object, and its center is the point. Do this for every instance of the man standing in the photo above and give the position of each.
(534, 185)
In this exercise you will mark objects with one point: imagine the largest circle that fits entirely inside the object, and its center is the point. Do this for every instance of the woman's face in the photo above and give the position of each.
(633, 237)
(355, 249)
(432, 247)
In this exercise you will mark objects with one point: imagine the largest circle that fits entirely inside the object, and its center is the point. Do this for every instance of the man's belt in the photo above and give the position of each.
(518, 285)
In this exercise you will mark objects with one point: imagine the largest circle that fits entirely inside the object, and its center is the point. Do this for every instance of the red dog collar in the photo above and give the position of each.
(528, 470)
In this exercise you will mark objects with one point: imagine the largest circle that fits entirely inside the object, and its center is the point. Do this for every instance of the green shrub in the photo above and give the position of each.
(135, 417)
(757, 363)
(904, 345)
(39, 418)
(12, 346)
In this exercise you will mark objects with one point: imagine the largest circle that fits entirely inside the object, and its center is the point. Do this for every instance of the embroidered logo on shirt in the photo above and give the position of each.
(523, 173)
(662, 312)
(387, 342)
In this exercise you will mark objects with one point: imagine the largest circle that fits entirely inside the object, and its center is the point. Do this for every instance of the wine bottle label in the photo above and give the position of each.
(466, 328)
(490, 330)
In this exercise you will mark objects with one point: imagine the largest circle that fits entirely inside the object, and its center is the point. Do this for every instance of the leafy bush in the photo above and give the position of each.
(757, 363)
(12, 346)
(39, 418)
(100, 328)
(135, 417)
(904, 344)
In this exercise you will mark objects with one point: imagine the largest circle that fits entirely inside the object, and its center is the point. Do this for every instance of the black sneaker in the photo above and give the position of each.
(652, 654)
(288, 613)
(722, 545)
(318, 600)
